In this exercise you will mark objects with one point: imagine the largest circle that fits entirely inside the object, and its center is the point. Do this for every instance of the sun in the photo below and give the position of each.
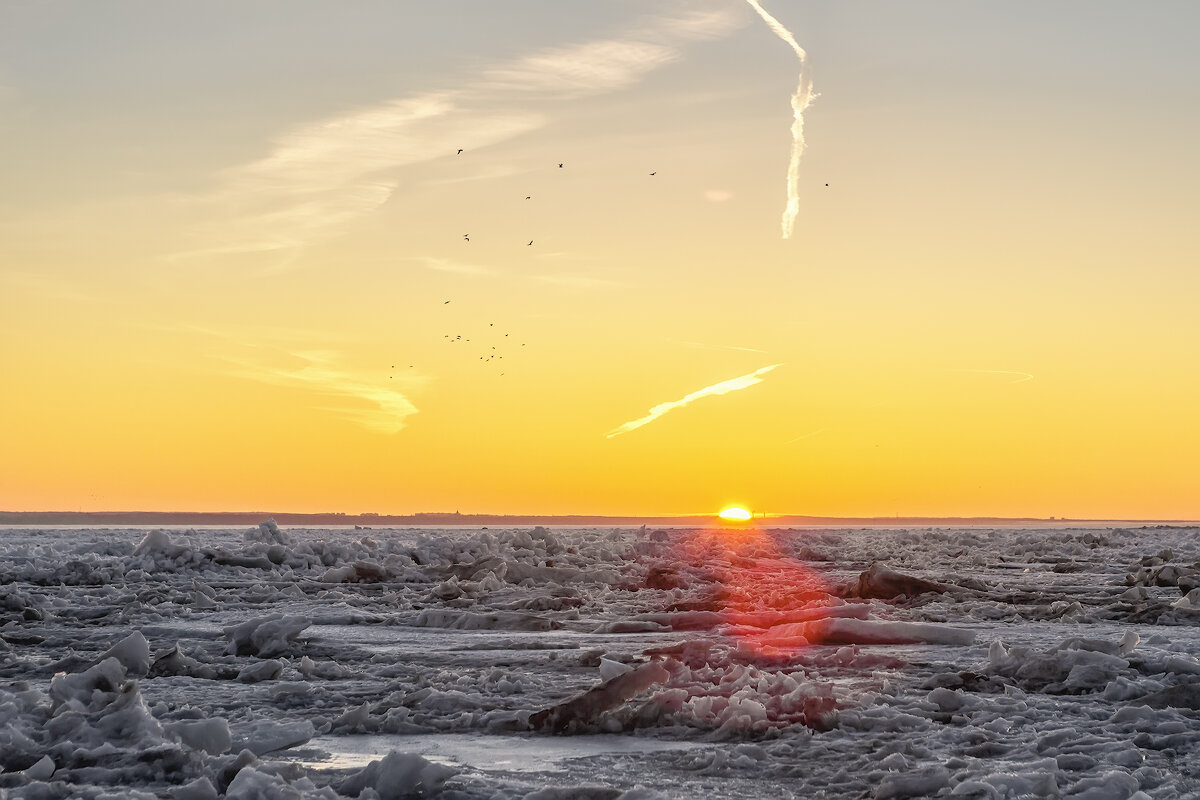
(735, 514)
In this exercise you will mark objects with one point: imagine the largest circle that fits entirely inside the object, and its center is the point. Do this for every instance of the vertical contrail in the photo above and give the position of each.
(801, 100)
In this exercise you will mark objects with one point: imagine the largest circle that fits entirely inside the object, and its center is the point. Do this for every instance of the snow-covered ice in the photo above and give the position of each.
(605, 663)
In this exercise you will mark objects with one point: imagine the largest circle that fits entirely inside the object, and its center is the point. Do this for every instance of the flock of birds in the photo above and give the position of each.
(493, 353)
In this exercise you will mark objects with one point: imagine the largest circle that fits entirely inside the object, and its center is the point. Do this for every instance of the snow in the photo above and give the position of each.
(614, 663)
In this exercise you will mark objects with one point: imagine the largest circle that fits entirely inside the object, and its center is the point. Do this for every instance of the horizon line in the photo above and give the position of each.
(477, 516)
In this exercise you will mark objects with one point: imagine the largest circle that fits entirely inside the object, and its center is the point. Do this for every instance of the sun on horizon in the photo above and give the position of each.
(735, 514)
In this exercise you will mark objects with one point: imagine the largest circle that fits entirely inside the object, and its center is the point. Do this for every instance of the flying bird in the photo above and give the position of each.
(530, 242)
(560, 166)
(446, 303)
(654, 173)
(459, 152)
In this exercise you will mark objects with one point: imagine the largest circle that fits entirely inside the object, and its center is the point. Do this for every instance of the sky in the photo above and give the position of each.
(243, 265)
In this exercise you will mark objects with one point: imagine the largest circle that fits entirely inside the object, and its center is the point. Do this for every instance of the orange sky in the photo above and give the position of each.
(216, 241)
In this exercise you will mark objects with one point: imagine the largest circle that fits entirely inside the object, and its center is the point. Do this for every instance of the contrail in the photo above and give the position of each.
(724, 387)
(801, 100)
(808, 435)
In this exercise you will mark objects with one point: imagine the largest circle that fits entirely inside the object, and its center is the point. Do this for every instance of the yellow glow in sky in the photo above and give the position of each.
(237, 277)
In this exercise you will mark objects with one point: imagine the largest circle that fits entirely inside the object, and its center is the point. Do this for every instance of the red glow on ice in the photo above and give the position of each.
(760, 585)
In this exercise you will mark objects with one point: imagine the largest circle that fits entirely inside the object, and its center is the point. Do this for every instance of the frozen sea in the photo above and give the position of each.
(631, 663)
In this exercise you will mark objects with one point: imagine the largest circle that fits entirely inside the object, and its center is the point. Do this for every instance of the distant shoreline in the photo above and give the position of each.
(439, 519)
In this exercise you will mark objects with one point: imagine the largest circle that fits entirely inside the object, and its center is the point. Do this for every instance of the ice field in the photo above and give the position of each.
(600, 663)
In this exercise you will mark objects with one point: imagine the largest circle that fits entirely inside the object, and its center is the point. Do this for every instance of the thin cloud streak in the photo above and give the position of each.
(457, 267)
(801, 100)
(724, 387)
(804, 436)
(318, 374)
(320, 177)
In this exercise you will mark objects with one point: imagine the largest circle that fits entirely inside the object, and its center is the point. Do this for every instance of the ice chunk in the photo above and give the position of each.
(267, 670)
(210, 735)
(1189, 602)
(470, 621)
(78, 690)
(266, 736)
(1184, 695)
(253, 784)
(199, 789)
(157, 541)
(42, 770)
(267, 532)
(265, 636)
(922, 783)
(610, 669)
(861, 631)
(630, 626)
(885, 583)
(584, 708)
(1110, 785)
(133, 652)
(174, 662)
(574, 793)
(398, 775)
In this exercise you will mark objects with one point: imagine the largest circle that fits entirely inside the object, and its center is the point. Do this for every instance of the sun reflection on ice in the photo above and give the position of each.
(760, 585)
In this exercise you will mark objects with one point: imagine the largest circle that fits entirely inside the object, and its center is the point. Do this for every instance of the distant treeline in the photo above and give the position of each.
(239, 518)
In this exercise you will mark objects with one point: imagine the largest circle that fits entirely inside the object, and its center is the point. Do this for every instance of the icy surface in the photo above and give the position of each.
(529, 663)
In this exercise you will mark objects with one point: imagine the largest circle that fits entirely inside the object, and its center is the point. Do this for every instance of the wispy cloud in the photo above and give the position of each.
(804, 436)
(457, 267)
(317, 371)
(581, 69)
(724, 387)
(723, 347)
(320, 177)
(801, 99)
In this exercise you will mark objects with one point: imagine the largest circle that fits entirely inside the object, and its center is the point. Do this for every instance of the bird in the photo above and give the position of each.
(528, 196)
(530, 242)
(560, 166)
(446, 303)
(467, 236)
(655, 173)
(459, 152)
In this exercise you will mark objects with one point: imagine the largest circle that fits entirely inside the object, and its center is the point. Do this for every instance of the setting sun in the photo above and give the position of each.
(735, 514)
